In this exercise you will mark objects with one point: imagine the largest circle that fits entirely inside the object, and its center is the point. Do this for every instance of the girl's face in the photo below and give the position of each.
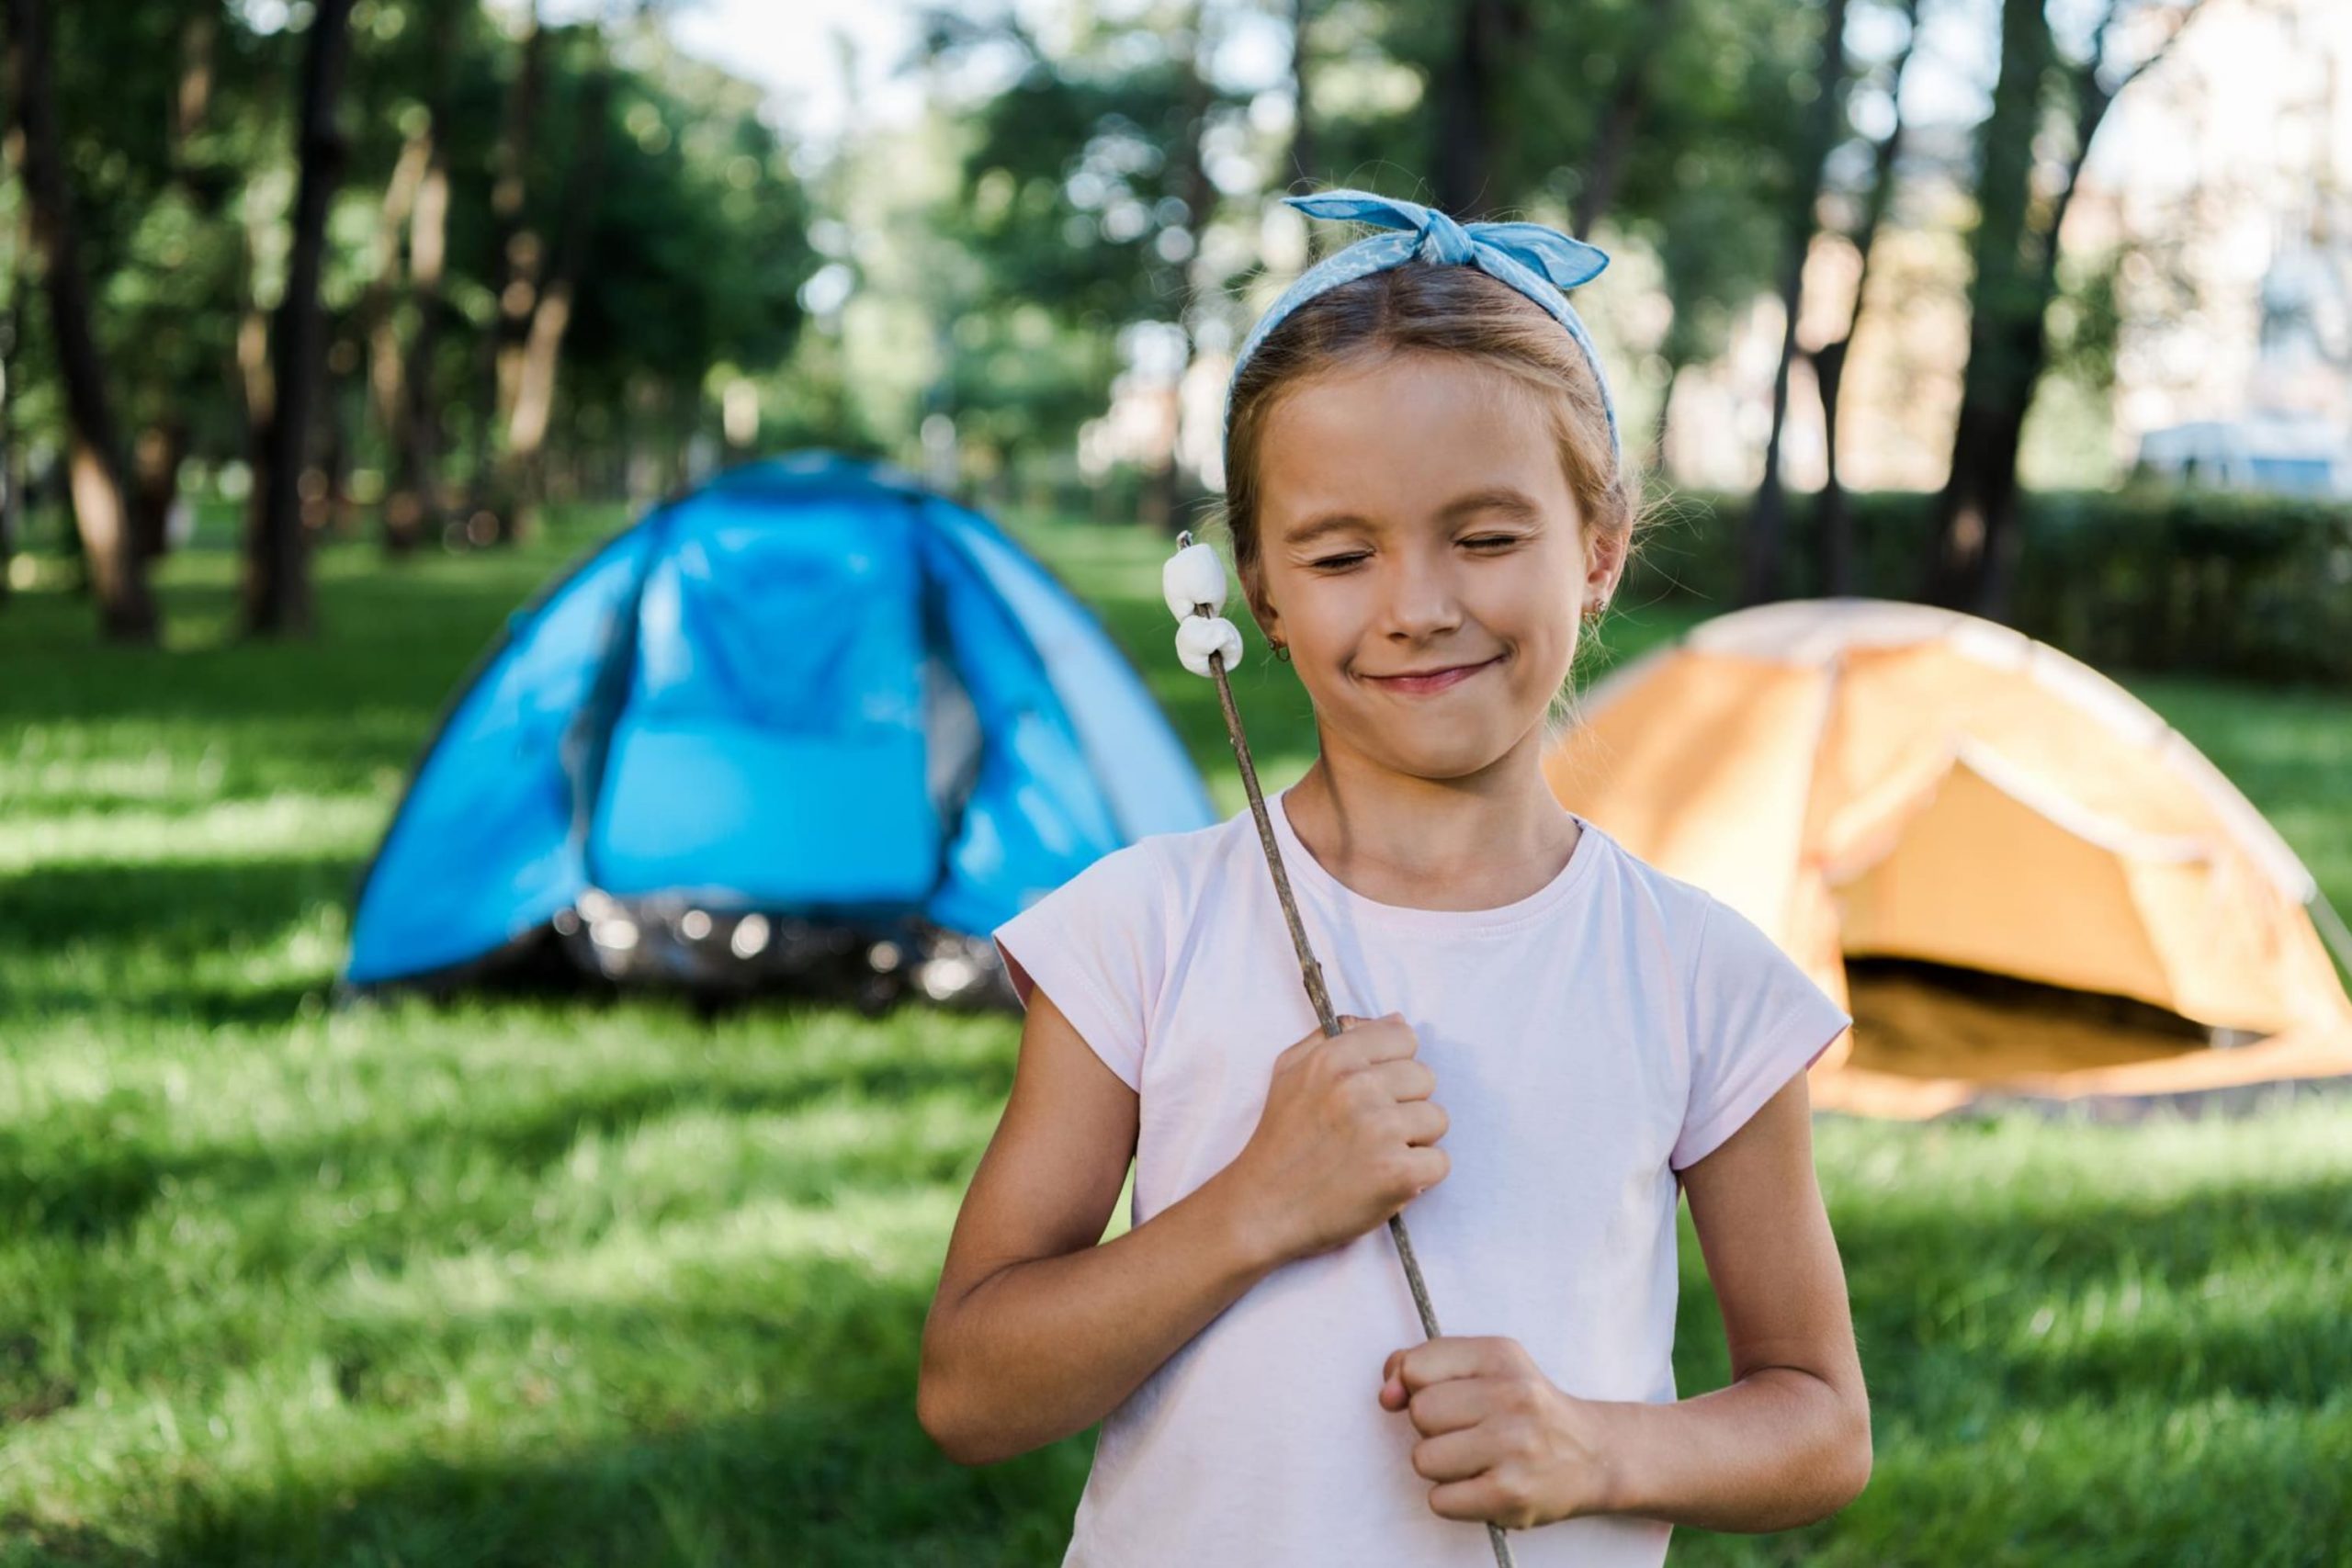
(1413, 515)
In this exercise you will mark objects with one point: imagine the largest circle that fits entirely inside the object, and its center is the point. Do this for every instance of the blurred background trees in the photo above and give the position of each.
(533, 264)
(519, 251)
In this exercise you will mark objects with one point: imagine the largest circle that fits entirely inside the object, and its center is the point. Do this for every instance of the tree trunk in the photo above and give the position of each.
(1977, 542)
(1473, 129)
(12, 444)
(1304, 151)
(523, 487)
(1628, 98)
(1840, 572)
(1158, 512)
(411, 508)
(126, 611)
(278, 582)
(1974, 511)
(1659, 430)
(1762, 579)
(516, 253)
(1834, 518)
(253, 370)
(155, 457)
(386, 369)
(157, 450)
(12, 361)
(521, 251)
(335, 509)
(1302, 102)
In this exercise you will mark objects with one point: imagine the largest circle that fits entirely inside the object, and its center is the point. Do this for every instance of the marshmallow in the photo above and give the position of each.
(1201, 636)
(1192, 576)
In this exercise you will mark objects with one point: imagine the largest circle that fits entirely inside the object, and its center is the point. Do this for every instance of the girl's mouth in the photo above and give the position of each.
(1443, 680)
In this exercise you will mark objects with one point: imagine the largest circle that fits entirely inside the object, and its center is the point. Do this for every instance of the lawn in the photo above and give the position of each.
(542, 1282)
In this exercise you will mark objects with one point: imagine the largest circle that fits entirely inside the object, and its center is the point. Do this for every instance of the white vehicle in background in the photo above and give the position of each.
(2275, 455)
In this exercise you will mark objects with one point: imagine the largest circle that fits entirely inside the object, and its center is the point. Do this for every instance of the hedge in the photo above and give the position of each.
(2146, 579)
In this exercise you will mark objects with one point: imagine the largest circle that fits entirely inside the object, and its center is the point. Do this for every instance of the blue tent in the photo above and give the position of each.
(810, 694)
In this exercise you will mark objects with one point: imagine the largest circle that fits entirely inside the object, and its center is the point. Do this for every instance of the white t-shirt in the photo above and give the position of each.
(1587, 1042)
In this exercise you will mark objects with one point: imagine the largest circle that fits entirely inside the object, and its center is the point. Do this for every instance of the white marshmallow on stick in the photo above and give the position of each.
(1191, 578)
(1201, 636)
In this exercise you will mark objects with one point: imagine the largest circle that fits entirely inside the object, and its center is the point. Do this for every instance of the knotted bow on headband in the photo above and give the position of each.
(1538, 262)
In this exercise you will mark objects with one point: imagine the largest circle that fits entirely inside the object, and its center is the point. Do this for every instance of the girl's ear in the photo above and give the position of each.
(1269, 619)
(1604, 565)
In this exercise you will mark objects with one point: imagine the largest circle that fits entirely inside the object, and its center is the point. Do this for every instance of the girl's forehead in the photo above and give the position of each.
(1404, 431)
(1415, 380)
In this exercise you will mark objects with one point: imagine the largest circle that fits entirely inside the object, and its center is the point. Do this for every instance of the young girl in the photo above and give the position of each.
(1547, 1040)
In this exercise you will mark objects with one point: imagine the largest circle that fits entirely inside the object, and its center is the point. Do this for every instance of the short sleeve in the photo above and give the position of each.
(1756, 1020)
(1097, 946)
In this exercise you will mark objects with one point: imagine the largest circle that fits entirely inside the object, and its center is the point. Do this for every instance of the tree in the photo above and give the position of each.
(1837, 527)
(522, 481)
(162, 442)
(1631, 87)
(11, 359)
(1303, 150)
(681, 244)
(1084, 193)
(126, 611)
(1197, 196)
(277, 579)
(2016, 277)
(1473, 159)
(517, 256)
(1761, 567)
(411, 507)
(378, 321)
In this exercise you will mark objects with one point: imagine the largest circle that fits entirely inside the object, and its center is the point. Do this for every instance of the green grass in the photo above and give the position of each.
(534, 1281)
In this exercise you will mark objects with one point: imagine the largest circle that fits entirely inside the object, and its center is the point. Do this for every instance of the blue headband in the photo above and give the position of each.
(1538, 262)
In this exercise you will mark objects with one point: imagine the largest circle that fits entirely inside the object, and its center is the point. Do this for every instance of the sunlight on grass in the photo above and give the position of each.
(231, 830)
(557, 1280)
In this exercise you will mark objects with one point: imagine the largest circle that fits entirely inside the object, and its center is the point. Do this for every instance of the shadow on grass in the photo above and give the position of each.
(1944, 1306)
(407, 638)
(812, 1487)
(170, 911)
(835, 1470)
(831, 1468)
(88, 1188)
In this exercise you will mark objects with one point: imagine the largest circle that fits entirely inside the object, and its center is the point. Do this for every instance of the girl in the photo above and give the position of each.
(1549, 1040)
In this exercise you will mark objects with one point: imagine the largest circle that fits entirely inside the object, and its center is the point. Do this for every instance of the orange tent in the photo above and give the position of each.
(1868, 779)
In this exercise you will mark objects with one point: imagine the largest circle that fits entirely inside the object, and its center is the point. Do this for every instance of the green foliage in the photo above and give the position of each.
(1025, 379)
(1071, 209)
(2086, 322)
(694, 251)
(558, 1283)
(2150, 578)
(699, 243)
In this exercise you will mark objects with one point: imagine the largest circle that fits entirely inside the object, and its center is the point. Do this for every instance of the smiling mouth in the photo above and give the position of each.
(1438, 682)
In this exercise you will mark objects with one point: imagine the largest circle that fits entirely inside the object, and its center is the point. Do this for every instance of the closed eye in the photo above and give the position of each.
(1340, 563)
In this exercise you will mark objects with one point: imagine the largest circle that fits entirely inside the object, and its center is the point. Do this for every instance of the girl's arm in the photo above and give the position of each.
(1789, 1441)
(1038, 1331)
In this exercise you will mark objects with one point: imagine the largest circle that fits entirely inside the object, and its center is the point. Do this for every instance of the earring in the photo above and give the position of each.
(1281, 652)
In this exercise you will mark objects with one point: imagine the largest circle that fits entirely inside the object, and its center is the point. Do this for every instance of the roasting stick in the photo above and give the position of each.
(1192, 580)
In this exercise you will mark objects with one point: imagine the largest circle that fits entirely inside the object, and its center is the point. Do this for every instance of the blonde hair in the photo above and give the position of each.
(1425, 307)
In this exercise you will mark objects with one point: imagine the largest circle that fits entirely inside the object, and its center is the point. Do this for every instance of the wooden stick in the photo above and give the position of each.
(1313, 973)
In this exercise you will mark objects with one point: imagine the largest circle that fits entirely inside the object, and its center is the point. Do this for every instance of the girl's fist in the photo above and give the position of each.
(1504, 1444)
(1346, 1136)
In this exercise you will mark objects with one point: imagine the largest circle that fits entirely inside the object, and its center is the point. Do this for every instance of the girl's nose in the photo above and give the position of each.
(1422, 600)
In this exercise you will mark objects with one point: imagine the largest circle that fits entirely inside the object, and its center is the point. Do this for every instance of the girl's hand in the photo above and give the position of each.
(1504, 1444)
(1344, 1139)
